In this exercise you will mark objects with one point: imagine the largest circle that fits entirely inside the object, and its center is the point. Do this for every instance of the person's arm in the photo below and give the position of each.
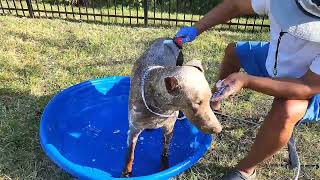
(224, 12)
(300, 89)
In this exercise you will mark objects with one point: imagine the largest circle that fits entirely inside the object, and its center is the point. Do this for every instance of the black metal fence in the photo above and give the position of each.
(131, 12)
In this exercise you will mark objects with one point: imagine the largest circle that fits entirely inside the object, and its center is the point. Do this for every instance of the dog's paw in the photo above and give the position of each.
(164, 162)
(126, 174)
(164, 167)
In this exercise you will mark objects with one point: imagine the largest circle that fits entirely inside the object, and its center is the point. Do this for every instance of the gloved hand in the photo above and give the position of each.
(188, 34)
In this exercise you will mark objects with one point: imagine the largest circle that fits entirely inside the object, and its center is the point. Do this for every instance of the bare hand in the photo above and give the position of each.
(233, 84)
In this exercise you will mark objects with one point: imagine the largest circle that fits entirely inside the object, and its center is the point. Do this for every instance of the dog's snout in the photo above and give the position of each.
(211, 130)
(206, 121)
(218, 129)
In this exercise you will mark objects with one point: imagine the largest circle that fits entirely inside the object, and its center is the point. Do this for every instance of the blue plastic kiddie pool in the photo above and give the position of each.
(84, 130)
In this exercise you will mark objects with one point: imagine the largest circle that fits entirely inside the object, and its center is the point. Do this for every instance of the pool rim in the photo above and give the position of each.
(81, 171)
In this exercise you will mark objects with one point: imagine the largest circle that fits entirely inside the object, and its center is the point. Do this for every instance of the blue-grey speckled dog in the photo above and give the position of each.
(159, 89)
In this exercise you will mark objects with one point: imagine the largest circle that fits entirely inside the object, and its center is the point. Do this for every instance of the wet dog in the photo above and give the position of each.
(159, 89)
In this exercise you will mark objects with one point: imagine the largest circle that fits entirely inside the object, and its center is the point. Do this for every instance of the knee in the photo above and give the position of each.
(288, 112)
(230, 55)
(230, 50)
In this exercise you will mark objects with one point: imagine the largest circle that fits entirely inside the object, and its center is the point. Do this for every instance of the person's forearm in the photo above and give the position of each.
(224, 12)
(281, 88)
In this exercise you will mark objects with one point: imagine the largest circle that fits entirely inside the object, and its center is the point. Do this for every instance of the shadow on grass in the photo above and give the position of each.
(21, 155)
(221, 157)
(204, 170)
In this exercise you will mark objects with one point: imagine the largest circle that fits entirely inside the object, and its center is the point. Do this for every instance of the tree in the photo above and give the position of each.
(84, 3)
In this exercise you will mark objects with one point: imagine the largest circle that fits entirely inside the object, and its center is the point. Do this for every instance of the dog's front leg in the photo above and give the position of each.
(167, 136)
(133, 135)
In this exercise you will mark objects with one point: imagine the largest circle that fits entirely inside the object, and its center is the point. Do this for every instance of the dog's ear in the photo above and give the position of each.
(197, 64)
(172, 84)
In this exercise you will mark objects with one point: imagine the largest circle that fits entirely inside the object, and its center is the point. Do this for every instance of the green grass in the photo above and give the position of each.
(40, 57)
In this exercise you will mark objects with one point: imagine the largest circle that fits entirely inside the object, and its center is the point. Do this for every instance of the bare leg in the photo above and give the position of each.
(132, 141)
(274, 133)
(229, 65)
(167, 136)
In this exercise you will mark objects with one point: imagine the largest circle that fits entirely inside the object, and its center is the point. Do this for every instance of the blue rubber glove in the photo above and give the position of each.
(188, 34)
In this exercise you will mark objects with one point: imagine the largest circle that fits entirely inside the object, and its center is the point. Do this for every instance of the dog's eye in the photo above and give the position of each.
(199, 103)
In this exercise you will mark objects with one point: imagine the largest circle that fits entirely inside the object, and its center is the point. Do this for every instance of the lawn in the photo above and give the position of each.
(40, 57)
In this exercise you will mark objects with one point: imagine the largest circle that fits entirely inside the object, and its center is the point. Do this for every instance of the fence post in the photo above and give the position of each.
(145, 8)
(29, 4)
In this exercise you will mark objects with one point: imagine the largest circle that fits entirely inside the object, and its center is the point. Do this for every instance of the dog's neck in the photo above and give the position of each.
(156, 95)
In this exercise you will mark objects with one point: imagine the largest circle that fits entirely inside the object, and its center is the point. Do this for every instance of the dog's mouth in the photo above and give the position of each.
(205, 125)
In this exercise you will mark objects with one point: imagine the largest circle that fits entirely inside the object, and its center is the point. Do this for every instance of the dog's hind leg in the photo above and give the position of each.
(167, 136)
(133, 135)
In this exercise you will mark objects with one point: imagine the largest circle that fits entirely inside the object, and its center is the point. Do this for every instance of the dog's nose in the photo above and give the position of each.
(218, 130)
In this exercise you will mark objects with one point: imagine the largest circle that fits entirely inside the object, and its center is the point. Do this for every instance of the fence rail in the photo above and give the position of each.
(131, 12)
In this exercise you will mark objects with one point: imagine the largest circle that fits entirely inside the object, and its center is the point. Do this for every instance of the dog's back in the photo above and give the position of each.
(156, 55)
